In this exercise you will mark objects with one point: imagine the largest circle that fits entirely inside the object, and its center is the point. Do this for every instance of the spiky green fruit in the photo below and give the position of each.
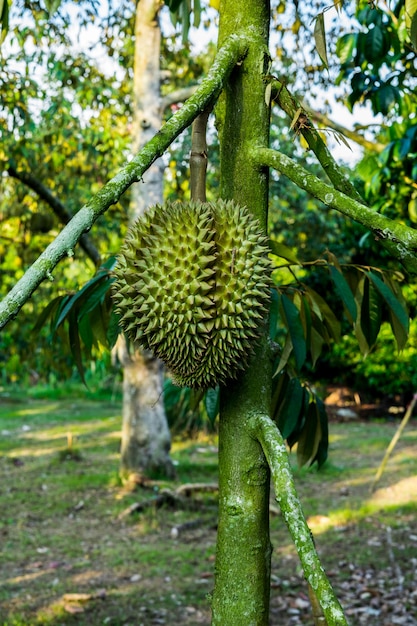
(192, 285)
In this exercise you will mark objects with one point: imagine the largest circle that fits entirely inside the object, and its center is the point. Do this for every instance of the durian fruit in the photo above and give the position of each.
(192, 285)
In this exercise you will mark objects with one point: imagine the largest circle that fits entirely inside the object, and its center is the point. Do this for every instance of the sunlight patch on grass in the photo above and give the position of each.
(46, 408)
(402, 492)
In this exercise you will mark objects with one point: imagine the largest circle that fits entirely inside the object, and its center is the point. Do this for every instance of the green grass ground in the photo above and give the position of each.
(66, 558)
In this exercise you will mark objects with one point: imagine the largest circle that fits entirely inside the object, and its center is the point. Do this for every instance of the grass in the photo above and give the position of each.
(60, 534)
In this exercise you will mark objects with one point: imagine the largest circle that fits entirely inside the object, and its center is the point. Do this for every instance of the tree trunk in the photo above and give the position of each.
(241, 594)
(145, 434)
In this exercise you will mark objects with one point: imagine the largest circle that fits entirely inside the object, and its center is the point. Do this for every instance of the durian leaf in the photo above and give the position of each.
(413, 31)
(283, 252)
(371, 313)
(324, 312)
(344, 292)
(52, 6)
(399, 318)
(285, 355)
(290, 408)
(410, 11)
(310, 436)
(83, 293)
(75, 344)
(62, 305)
(98, 324)
(273, 314)
(212, 403)
(320, 39)
(316, 345)
(279, 389)
(305, 315)
(86, 333)
(196, 13)
(95, 296)
(295, 328)
(47, 312)
(323, 446)
(173, 5)
(294, 436)
(113, 329)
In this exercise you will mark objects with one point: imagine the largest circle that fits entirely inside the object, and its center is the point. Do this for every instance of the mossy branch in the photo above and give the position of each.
(274, 448)
(206, 94)
(291, 106)
(398, 239)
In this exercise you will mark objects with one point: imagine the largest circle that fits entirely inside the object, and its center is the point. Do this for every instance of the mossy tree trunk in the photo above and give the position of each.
(241, 594)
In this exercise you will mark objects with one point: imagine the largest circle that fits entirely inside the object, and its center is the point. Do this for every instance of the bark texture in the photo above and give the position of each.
(241, 594)
(145, 435)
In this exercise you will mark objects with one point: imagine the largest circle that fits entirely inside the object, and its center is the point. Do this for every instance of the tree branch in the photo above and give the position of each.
(57, 207)
(291, 106)
(274, 448)
(206, 94)
(398, 239)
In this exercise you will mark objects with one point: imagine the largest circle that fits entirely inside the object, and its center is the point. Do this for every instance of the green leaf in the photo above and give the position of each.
(52, 6)
(283, 251)
(295, 327)
(410, 12)
(97, 295)
(290, 408)
(75, 344)
(320, 39)
(344, 292)
(398, 315)
(279, 389)
(413, 31)
(294, 436)
(86, 333)
(99, 324)
(273, 314)
(376, 44)
(61, 306)
(196, 13)
(384, 97)
(285, 355)
(324, 313)
(47, 312)
(113, 329)
(80, 295)
(212, 403)
(323, 446)
(345, 47)
(316, 345)
(310, 436)
(371, 313)
(306, 320)
(4, 19)
(173, 5)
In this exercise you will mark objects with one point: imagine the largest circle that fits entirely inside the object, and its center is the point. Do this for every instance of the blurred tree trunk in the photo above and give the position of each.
(146, 438)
